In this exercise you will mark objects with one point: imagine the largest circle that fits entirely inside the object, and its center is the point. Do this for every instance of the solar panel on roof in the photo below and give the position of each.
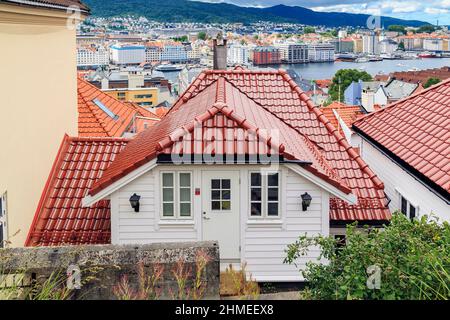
(105, 109)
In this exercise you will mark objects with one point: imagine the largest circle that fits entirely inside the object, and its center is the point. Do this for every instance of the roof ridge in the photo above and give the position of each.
(332, 130)
(98, 139)
(389, 107)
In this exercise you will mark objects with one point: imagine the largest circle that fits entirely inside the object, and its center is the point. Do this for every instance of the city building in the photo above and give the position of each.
(388, 46)
(266, 56)
(38, 84)
(371, 43)
(92, 56)
(144, 97)
(238, 54)
(153, 54)
(433, 44)
(175, 53)
(322, 52)
(321, 185)
(407, 145)
(343, 45)
(293, 53)
(127, 54)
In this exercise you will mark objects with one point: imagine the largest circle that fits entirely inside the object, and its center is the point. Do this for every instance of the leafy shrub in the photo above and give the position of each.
(413, 256)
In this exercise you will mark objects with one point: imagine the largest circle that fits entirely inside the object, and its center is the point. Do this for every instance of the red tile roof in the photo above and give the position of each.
(416, 131)
(226, 120)
(277, 94)
(347, 113)
(60, 218)
(95, 122)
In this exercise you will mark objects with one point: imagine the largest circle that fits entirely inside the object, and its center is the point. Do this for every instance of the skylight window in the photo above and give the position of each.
(105, 109)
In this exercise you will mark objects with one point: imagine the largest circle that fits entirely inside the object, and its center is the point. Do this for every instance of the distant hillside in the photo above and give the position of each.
(192, 11)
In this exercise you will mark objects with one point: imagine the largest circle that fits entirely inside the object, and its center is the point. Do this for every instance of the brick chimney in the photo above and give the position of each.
(220, 53)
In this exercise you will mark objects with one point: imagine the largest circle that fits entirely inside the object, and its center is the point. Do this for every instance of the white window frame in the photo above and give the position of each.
(3, 219)
(264, 194)
(176, 196)
(409, 204)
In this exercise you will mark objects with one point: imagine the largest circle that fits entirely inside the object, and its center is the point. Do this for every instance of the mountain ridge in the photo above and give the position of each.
(195, 11)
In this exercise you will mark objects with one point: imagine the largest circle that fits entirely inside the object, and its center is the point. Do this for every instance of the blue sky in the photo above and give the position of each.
(425, 10)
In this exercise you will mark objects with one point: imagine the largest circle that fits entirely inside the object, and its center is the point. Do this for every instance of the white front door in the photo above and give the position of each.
(220, 211)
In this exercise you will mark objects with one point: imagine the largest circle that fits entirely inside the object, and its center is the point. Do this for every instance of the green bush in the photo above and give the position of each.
(413, 256)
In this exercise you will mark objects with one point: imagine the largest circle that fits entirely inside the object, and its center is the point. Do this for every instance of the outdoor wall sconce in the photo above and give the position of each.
(306, 201)
(134, 201)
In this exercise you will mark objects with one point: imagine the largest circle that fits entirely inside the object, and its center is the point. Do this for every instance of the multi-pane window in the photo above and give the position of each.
(264, 194)
(407, 208)
(176, 194)
(220, 194)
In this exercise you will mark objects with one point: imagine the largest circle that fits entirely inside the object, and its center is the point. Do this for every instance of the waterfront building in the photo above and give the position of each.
(322, 52)
(266, 56)
(174, 53)
(293, 53)
(123, 54)
(238, 54)
(343, 45)
(388, 46)
(433, 44)
(370, 43)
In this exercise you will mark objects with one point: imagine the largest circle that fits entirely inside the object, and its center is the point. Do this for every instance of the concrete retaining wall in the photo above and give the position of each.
(102, 267)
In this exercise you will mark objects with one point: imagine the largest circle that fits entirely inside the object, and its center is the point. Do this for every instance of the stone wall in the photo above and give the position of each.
(102, 267)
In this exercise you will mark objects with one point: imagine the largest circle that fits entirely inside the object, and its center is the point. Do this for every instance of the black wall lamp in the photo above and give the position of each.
(134, 201)
(306, 201)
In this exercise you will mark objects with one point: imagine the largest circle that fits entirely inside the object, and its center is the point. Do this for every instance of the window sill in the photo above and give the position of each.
(176, 223)
(265, 223)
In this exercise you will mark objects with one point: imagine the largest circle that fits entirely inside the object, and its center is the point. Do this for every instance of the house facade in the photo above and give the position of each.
(227, 163)
(407, 145)
(30, 139)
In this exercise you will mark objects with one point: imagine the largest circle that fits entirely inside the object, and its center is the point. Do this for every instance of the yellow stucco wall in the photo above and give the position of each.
(38, 106)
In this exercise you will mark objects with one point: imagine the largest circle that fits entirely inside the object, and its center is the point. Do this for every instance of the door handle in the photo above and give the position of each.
(205, 217)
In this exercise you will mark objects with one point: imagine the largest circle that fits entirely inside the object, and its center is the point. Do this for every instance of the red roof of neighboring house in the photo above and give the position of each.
(100, 115)
(347, 113)
(263, 95)
(416, 131)
(60, 218)
(325, 83)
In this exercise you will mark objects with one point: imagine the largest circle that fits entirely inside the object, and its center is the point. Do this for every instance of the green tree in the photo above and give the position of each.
(401, 46)
(202, 35)
(431, 82)
(397, 28)
(428, 28)
(343, 78)
(307, 30)
(412, 257)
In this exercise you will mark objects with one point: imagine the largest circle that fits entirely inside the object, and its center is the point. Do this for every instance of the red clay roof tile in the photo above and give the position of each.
(60, 218)
(416, 130)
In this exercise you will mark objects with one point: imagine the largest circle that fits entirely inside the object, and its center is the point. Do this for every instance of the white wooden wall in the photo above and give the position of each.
(263, 243)
(397, 179)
